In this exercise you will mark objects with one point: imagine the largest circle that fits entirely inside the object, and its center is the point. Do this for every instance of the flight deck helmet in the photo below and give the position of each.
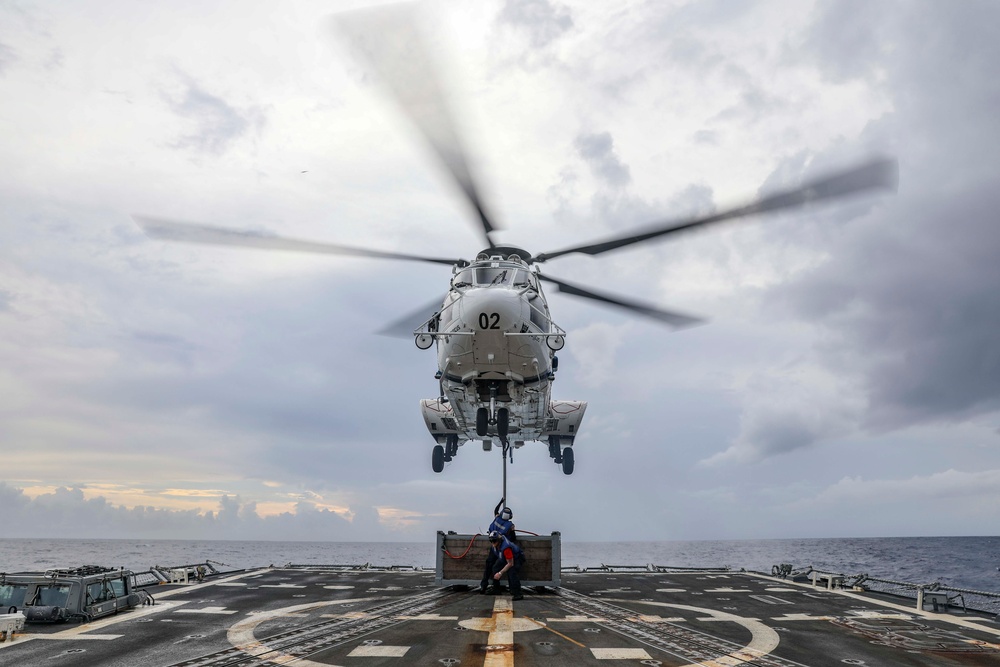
(494, 536)
(506, 514)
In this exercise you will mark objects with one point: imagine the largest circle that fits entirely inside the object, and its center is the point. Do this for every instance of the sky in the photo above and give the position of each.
(846, 382)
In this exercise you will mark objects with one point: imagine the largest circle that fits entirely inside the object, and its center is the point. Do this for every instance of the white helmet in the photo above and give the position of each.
(506, 514)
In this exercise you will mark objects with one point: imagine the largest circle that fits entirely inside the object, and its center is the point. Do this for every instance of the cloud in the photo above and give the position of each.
(542, 21)
(950, 485)
(850, 39)
(7, 57)
(790, 408)
(217, 124)
(213, 368)
(68, 513)
(908, 293)
(598, 151)
(594, 351)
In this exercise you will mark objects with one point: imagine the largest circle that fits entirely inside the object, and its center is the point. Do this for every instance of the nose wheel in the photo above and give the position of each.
(500, 418)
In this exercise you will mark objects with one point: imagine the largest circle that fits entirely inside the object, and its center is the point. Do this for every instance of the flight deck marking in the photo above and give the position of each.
(241, 635)
(961, 622)
(207, 610)
(770, 599)
(621, 654)
(728, 590)
(79, 632)
(219, 582)
(763, 640)
(378, 651)
(559, 634)
(500, 651)
(66, 638)
(801, 617)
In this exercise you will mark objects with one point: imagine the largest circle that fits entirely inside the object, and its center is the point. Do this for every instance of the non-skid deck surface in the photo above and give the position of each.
(329, 617)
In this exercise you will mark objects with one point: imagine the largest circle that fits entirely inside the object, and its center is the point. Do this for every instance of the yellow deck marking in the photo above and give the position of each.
(556, 633)
(500, 649)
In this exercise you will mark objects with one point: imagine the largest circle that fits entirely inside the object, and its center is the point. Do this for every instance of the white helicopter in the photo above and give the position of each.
(495, 337)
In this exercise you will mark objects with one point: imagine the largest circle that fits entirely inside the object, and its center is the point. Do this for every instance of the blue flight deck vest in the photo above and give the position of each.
(507, 544)
(500, 525)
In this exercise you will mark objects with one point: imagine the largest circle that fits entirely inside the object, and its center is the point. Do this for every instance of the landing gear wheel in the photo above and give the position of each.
(437, 458)
(503, 422)
(567, 461)
(482, 421)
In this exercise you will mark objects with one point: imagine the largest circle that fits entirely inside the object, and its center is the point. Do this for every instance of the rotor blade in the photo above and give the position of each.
(169, 230)
(675, 320)
(389, 41)
(880, 173)
(407, 324)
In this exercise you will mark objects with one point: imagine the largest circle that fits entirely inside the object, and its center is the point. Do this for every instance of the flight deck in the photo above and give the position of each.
(321, 615)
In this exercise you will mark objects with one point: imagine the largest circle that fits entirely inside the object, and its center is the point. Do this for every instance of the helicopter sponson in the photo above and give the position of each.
(496, 345)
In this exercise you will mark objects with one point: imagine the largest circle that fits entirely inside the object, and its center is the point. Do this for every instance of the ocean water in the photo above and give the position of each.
(965, 562)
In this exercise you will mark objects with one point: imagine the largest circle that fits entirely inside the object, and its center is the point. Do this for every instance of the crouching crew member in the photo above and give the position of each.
(509, 560)
(501, 524)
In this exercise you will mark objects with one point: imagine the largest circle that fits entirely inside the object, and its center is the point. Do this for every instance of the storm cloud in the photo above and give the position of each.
(850, 348)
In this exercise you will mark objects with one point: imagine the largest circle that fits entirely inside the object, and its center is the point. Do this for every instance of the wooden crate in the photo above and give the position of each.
(543, 559)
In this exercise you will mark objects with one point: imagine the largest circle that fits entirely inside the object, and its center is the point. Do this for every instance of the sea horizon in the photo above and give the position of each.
(960, 561)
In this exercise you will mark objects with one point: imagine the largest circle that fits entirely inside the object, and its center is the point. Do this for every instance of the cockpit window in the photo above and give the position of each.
(497, 274)
(509, 276)
(487, 277)
(462, 279)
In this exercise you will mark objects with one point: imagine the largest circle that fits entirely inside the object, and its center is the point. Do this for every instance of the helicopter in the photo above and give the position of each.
(496, 339)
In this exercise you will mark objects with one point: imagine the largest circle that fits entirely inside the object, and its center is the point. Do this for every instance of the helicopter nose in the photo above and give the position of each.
(492, 309)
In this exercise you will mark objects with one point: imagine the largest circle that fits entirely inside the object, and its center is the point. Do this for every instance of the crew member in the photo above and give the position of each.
(502, 521)
(501, 524)
(512, 557)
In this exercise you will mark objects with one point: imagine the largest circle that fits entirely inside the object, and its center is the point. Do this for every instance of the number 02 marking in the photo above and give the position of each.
(489, 320)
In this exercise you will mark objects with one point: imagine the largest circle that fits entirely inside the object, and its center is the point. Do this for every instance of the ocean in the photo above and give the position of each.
(964, 562)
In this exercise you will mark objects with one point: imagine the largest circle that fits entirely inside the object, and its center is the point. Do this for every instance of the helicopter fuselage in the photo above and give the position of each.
(496, 349)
